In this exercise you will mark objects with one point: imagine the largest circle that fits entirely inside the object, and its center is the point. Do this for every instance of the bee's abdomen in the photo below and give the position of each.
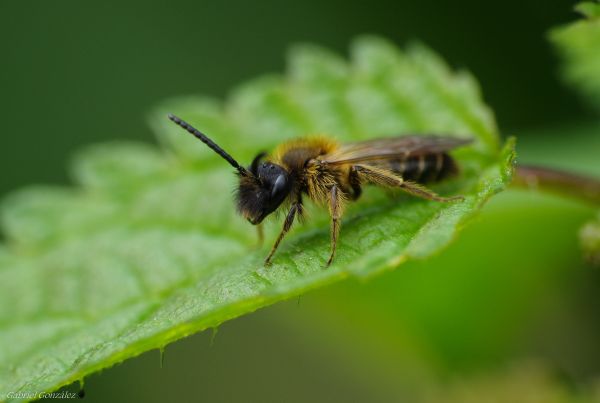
(424, 168)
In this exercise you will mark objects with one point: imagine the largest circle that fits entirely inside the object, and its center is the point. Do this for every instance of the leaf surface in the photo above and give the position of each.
(579, 46)
(147, 248)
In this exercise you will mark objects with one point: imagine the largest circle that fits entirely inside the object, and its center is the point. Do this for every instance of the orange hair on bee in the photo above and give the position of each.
(292, 152)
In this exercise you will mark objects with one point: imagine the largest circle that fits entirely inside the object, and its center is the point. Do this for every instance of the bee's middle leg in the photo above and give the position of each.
(335, 209)
(287, 224)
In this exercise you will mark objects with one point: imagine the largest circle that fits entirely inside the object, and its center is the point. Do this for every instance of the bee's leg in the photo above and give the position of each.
(335, 210)
(287, 224)
(418, 190)
(260, 234)
(355, 184)
(386, 178)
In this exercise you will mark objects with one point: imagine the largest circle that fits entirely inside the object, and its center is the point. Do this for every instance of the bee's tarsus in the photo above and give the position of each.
(450, 199)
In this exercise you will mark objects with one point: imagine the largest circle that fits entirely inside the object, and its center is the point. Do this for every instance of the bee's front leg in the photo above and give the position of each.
(287, 224)
(260, 235)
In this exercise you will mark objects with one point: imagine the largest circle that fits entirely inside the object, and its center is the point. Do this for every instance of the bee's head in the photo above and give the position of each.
(263, 186)
(261, 192)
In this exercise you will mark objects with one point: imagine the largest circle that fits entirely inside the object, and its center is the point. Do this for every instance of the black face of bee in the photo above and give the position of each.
(263, 186)
(261, 193)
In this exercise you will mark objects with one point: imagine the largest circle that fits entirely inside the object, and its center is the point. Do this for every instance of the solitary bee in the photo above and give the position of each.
(332, 174)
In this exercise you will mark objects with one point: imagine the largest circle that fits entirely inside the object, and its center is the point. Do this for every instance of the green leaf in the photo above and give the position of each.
(579, 45)
(590, 240)
(589, 9)
(148, 249)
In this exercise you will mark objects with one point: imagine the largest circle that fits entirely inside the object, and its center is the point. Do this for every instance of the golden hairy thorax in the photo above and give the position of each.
(294, 153)
(317, 179)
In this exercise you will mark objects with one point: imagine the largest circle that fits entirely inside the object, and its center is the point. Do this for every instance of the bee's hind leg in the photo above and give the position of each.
(355, 184)
(388, 179)
(421, 191)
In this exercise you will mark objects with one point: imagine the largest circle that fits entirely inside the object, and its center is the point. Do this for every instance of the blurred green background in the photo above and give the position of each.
(517, 318)
(80, 72)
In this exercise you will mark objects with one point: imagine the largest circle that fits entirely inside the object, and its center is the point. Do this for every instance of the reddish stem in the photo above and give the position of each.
(566, 183)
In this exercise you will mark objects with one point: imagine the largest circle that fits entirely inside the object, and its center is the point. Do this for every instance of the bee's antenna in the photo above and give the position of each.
(202, 137)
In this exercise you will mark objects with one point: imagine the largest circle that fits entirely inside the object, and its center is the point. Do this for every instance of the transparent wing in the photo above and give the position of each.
(392, 148)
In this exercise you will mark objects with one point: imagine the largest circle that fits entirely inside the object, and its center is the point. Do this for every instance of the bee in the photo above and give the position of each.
(332, 174)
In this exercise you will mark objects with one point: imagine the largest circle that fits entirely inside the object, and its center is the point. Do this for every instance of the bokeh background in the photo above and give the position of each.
(75, 73)
(510, 310)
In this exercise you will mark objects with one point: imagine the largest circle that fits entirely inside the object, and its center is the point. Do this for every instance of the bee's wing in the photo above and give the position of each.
(392, 148)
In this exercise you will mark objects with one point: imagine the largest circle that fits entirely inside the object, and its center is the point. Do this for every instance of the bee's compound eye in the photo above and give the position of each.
(280, 184)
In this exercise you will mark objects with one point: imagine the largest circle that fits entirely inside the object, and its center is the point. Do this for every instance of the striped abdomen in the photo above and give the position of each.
(422, 168)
